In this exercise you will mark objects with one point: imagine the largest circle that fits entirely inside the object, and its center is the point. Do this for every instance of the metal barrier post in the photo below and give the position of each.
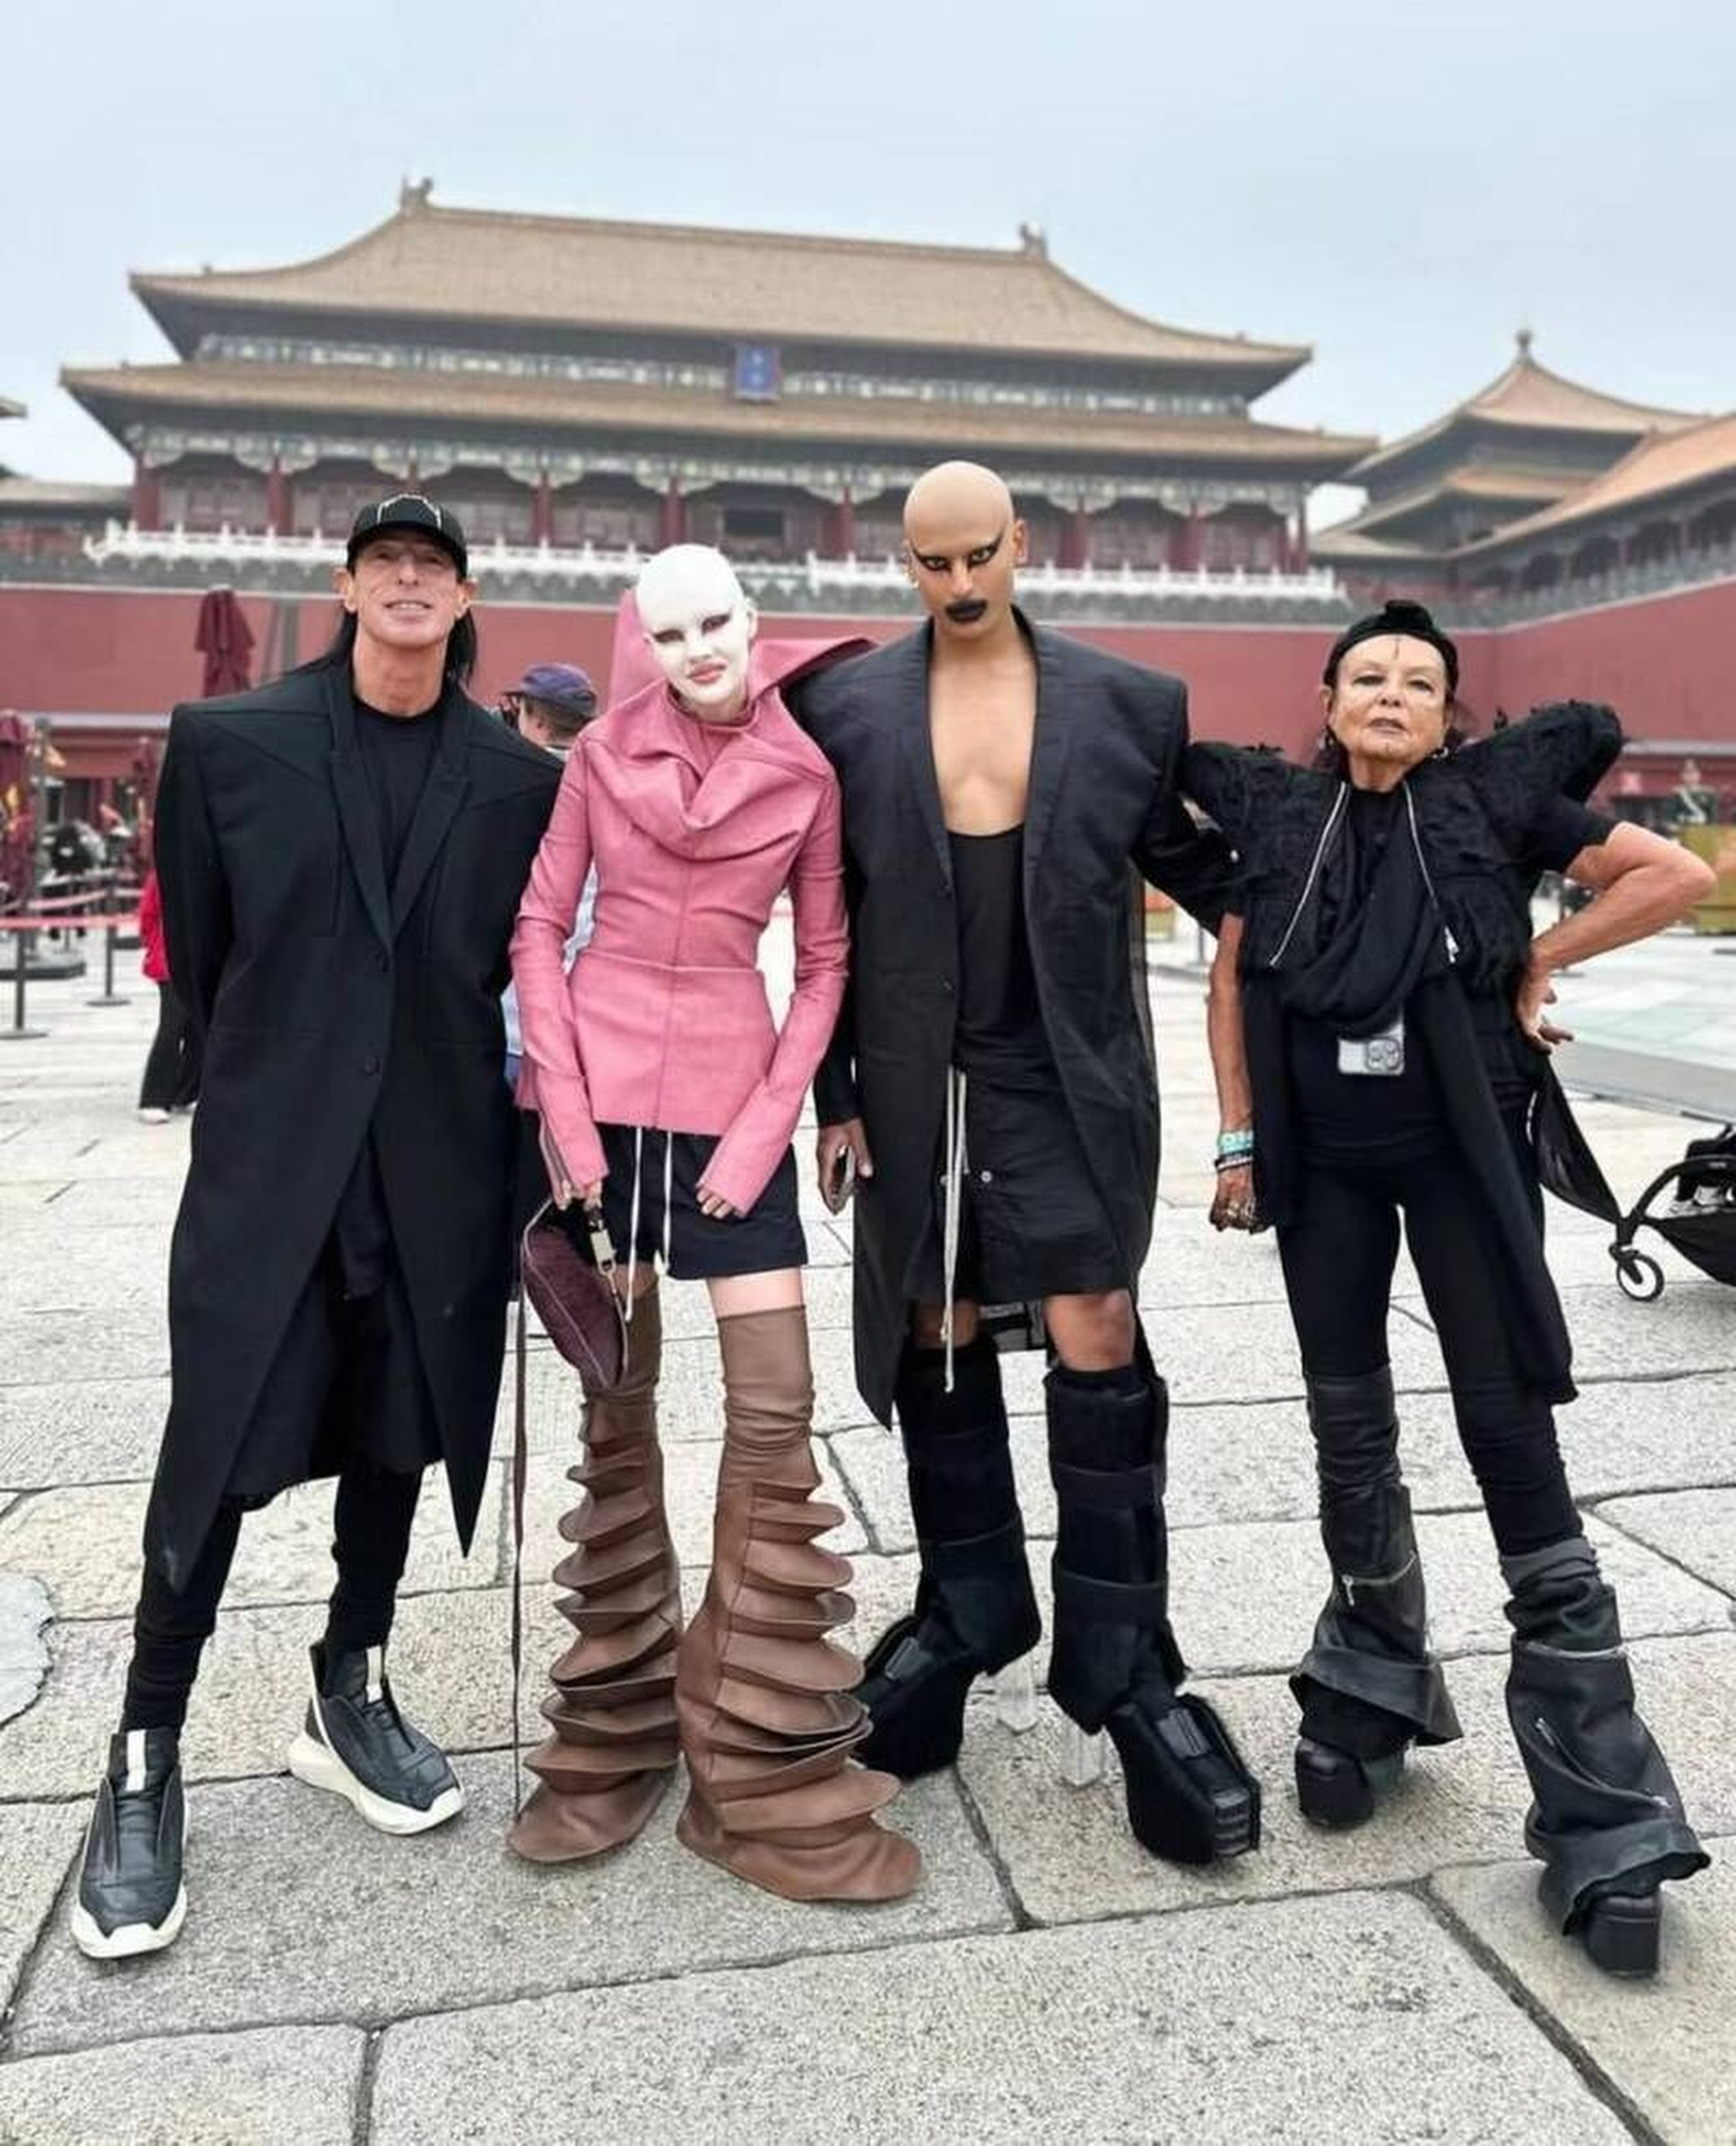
(110, 996)
(18, 1033)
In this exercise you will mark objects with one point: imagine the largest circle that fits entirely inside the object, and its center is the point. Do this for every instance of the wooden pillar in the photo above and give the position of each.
(1076, 548)
(1191, 549)
(280, 512)
(147, 495)
(542, 512)
(1299, 554)
(841, 535)
(675, 516)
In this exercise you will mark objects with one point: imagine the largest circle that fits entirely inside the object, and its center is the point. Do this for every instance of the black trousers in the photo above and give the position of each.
(172, 1069)
(371, 1540)
(1339, 1254)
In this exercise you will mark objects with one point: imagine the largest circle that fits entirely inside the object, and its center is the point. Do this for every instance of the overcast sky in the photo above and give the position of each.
(1401, 197)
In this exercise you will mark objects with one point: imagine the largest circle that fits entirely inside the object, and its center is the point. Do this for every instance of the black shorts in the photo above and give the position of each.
(1032, 1223)
(765, 1238)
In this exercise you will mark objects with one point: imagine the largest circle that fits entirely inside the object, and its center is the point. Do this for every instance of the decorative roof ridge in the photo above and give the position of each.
(1486, 403)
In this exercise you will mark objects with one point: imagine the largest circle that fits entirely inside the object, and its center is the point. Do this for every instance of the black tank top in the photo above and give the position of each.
(1000, 1034)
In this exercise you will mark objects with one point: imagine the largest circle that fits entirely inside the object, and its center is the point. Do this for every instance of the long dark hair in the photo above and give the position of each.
(460, 650)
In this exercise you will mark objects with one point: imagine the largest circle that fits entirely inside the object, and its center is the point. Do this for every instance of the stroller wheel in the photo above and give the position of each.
(1640, 1276)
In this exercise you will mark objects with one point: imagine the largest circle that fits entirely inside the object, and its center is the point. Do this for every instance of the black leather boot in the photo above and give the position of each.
(131, 1895)
(1369, 1687)
(1115, 1665)
(1606, 1819)
(975, 1611)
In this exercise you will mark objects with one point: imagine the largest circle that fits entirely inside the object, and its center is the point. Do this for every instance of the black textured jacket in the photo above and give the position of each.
(1476, 812)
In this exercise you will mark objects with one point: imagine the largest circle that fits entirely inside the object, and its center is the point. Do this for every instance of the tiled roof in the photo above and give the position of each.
(8, 408)
(1350, 544)
(47, 492)
(463, 402)
(1510, 485)
(1529, 394)
(479, 264)
(1664, 463)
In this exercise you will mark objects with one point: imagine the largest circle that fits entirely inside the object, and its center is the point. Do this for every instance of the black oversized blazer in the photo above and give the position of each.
(1102, 814)
(330, 1002)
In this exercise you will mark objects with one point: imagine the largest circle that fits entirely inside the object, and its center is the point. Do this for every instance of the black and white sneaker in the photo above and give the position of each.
(131, 1898)
(357, 1744)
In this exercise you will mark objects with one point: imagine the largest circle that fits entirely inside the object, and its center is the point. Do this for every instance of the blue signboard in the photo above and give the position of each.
(759, 372)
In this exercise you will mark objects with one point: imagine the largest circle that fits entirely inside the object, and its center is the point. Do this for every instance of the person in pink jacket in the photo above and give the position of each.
(668, 1097)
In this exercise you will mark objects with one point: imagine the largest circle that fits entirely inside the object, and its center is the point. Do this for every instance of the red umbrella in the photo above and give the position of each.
(225, 642)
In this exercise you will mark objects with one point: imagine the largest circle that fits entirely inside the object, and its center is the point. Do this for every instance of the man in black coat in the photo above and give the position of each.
(341, 855)
(991, 1092)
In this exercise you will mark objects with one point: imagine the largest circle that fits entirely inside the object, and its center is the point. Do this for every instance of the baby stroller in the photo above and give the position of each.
(1698, 1219)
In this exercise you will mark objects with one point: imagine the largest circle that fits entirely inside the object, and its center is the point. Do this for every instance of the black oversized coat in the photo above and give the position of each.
(1103, 814)
(330, 1003)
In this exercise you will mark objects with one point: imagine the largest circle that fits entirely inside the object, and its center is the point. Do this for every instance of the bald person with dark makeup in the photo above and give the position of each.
(990, 1097)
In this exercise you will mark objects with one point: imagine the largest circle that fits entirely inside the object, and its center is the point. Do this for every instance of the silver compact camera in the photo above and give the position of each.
(1381, 1056)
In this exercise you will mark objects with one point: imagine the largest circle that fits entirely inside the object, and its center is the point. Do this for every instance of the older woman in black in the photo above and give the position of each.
(1381, 1044)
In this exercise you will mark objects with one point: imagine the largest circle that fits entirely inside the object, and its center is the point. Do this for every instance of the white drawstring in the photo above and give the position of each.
(950, 1215)
(633, 1217)
(633, 1209)
(668, 1194)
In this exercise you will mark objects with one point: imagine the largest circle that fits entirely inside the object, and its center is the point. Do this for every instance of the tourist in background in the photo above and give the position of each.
(549, 706)
(172, 1068)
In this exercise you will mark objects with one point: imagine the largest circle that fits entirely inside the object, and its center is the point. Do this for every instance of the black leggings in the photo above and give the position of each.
(1339, 1256)
(371, 1540)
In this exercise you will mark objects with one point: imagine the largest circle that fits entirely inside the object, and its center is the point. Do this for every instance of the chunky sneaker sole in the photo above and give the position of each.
(131, 1939)
(320, 1767)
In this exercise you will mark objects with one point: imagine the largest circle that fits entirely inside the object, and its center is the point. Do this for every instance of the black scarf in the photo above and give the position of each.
(1376, 931)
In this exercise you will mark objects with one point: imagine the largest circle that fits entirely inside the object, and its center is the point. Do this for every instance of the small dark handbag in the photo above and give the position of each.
(574, 1294)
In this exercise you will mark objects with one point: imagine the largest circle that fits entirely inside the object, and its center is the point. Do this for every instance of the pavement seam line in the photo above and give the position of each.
(1596, 2080)
(372, 2049)
(38, 1942)
(1023, 1919)
(1670, 1557)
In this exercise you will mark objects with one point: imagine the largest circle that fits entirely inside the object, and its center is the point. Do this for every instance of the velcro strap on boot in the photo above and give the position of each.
(1107, 1490)
(1111, 1601)
(966, 1559)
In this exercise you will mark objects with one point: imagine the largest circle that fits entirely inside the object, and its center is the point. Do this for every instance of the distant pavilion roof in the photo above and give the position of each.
(8, 408)
(455, 264)
(1659, 466)
(1514, 485)
(46, 494)
(1529, 396)
(296, 393)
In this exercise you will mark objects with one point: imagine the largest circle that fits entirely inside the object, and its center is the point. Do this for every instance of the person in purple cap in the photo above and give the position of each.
(550, 706)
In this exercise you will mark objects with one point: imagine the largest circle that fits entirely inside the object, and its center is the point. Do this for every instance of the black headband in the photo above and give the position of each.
(1395, 616)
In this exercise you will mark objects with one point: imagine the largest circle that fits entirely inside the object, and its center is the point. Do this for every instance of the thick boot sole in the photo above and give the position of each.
(1337, 1791)
(130, 1939)
(918, 1728)
(1189, 1799)
(320, 1767)
(1623, 1932)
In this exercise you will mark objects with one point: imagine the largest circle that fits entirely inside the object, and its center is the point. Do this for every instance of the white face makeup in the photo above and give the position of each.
(699, 626)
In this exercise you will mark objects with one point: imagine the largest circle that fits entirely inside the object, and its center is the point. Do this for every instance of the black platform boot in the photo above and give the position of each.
(1115, 1665)
(975, 1612)
(1368, 1686)
(1606, 1820)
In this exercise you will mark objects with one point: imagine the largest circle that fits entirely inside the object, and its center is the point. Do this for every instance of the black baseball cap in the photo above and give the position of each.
(411, 510)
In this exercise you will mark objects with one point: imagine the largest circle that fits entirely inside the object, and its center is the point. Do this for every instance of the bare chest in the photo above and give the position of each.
(981, 731)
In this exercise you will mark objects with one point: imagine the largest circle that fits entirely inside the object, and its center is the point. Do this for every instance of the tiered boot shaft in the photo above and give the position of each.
(602, 1772)
(768, 1721)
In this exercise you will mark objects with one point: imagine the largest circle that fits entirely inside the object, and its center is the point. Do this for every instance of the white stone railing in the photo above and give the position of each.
(231, 551)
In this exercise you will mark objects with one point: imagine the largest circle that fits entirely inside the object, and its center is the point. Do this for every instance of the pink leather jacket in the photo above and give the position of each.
(695, 830)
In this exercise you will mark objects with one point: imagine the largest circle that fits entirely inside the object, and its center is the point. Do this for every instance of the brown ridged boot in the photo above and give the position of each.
(603, 1771)
(768, 1715)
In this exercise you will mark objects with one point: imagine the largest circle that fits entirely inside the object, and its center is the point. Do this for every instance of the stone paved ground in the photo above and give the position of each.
(335, 1985)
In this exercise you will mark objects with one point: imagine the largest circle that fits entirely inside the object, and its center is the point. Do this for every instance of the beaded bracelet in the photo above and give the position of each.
(1228, 1162)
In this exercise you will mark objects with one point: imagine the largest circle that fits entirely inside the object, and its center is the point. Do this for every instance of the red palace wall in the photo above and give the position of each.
(1664, 661)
